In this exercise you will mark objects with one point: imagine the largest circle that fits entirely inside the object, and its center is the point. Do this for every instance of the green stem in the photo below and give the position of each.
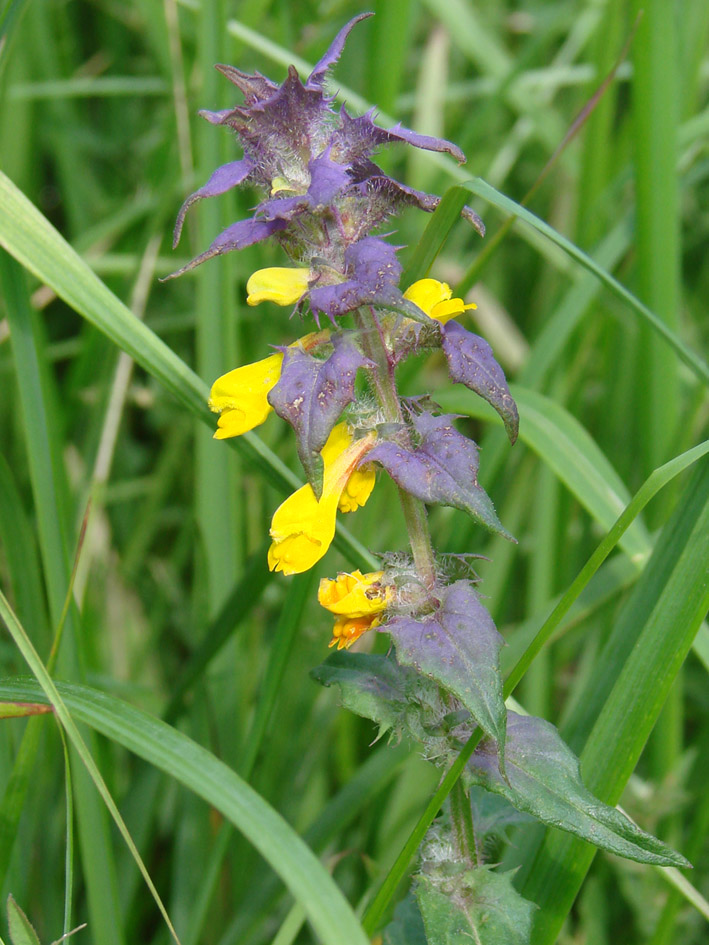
(385, 383)
(462, 817)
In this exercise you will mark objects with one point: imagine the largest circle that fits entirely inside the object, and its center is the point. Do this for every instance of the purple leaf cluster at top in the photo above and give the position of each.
(323, 195)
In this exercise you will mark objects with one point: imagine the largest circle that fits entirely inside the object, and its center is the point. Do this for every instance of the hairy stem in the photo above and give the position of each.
(414, 510)
(462, 817)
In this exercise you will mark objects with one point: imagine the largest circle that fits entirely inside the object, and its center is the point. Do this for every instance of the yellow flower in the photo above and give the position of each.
(241, 396)
(348, 629)
(280, 285)
(360, 484)
(434, 298)
(357, 600)
(302, 528)
(355, 594)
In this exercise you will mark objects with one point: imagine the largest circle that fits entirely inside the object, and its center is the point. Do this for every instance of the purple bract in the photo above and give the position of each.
(312, 393)
(322, 195)
(443, 469)
(459, 647)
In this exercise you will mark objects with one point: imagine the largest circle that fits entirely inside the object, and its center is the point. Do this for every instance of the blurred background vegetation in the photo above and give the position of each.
(175, 611)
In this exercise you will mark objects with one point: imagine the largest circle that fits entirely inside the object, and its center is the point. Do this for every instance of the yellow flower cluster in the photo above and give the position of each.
(357, 600)
(303, 526)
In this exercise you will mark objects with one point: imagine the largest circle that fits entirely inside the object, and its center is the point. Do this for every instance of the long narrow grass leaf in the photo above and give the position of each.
(690, 358)
(203, 773)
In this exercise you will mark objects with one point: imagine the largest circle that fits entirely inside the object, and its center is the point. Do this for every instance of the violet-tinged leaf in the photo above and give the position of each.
(312, 393)
(285, 126)
(460, 907)
(378, 688)
(425, 142)
(401, 195)
(471, 362)
(215, 118)
(321, 68)
(373, 273)
(223, 179)
(358, 137)
(327, 179)
(467, 213)
(237, 236)
(459, 647)
(442, 470)
(544, 779)
(255, 87)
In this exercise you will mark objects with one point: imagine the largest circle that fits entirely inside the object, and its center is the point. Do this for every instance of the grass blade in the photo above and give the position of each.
(203, 773)
(660, 622)
(690, 358)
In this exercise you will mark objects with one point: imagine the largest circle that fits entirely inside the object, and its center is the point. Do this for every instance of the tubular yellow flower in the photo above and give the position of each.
(348, 629)
(280, 285)
(241, 396)
(302, 528)
(355, 594)
(360, 484)
(357, 600)
(434, 298)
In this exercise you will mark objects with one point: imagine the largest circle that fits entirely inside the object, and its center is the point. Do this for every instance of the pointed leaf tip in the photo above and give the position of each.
(472, 363)
(544, 780)
(21, 931)
(334, 51)
(442, 470)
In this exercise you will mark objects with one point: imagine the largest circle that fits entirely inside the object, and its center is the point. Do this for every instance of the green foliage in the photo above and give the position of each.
(478, 904)
(21, 931)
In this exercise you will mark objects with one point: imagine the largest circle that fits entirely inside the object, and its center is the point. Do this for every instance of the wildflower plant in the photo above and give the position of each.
(325, 201)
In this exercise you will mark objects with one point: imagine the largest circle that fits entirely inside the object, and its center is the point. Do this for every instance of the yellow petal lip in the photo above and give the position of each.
(434, 298)
(281, 285)
(349, 629)
(241, 396)
(354, 594)
(303, 528)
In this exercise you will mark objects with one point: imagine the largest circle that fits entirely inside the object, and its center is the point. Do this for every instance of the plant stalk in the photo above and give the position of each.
(462, 818)
(414, 510)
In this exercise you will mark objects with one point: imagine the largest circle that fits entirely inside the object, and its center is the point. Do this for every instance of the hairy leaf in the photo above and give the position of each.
(459, 647)
(21, 931)
(378, 688)
(471, 362)
(311, 394)
(544, 779)
(442, 470)
(477, 905)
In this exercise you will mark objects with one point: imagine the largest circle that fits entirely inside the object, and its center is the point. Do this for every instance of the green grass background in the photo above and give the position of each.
(173, 610)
